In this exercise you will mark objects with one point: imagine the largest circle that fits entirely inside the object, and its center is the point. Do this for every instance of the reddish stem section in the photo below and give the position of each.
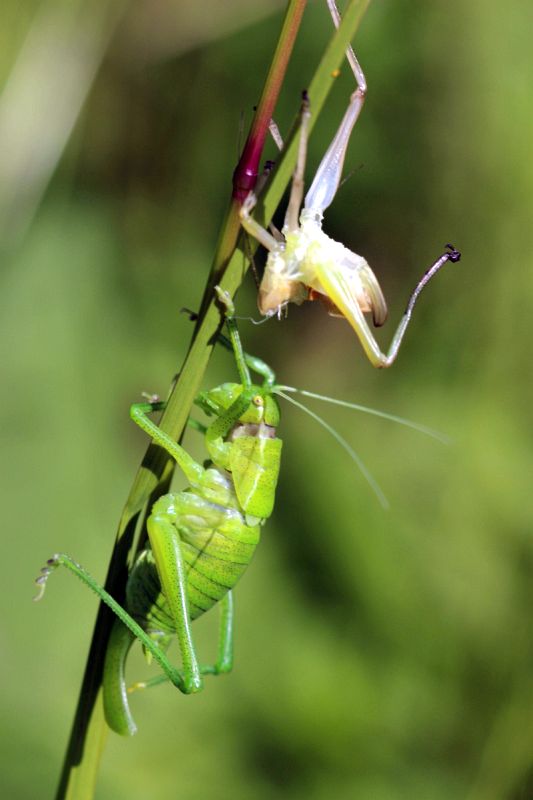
(247, 170)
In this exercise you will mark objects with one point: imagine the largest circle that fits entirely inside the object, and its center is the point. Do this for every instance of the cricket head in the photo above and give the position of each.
(263, 407)
(272, 299)
(250, 450)
(280, 286)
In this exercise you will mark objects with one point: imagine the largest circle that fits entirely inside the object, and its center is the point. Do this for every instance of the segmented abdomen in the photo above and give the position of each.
(217, 546)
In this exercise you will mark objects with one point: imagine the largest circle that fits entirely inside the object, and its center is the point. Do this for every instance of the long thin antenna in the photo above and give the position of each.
(440, 437)
(343, 443)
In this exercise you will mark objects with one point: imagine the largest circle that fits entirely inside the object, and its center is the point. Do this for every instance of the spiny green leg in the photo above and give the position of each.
(197, 426)
(59, 559)
(160, 405)
(231, 324)
(171, 569)
(166, 547)
(165, 543)
(165, 540)
(126, 629)
(215, 438)
(214, 434)
(253, 362)
(139, 414)
(123, 634)
(217, 430)
(224, 662)
(222, 425)
(116, 704)
(244, 360)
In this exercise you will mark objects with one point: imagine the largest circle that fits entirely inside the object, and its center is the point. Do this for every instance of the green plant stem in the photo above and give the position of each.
(88, 733)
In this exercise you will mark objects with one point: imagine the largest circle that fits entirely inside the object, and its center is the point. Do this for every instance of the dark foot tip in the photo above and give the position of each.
(193, 316)
(454, 254)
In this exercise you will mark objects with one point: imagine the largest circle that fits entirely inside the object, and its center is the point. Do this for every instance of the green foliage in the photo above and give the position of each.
(380, 655)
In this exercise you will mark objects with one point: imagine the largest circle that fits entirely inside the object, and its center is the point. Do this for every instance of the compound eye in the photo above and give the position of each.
(258, 401)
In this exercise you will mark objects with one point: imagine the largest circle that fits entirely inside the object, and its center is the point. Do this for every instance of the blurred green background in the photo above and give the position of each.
(380, 654)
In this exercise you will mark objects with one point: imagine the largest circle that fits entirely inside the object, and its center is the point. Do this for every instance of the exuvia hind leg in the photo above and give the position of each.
(327, 179)
(339, 290)
(292, 215)
(328, 175)
(350, 55)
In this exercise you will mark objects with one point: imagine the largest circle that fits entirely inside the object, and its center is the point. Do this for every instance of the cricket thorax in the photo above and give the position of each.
(281, 283)
(260, 431)
(217, 487)
(294, 269)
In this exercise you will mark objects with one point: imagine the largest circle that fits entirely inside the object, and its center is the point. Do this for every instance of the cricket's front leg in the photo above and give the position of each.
(139, 414)
(215, 438)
